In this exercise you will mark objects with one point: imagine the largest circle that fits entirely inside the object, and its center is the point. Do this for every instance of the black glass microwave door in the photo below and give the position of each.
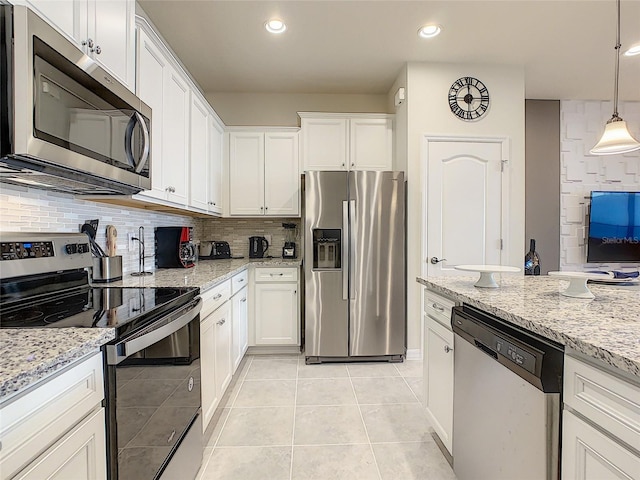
(75, 112)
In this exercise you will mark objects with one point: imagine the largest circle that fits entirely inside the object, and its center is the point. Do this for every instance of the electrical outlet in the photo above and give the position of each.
(268, 238)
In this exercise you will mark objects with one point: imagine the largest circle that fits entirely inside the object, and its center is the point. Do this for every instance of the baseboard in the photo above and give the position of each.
(268, 350)
(414, 354)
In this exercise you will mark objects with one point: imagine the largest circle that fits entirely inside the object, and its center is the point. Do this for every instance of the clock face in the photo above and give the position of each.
(468, 98)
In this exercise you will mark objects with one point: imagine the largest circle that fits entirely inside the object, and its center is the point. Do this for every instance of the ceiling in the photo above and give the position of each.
(359, 47)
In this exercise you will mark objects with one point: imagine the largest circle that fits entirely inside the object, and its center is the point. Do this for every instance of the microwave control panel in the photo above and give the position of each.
(21, 250)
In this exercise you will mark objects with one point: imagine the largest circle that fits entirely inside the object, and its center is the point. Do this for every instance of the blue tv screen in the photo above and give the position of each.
(614, 227)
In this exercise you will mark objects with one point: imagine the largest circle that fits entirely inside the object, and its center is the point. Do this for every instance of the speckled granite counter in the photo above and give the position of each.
(606, 328)
(206, 274)
(29, 355)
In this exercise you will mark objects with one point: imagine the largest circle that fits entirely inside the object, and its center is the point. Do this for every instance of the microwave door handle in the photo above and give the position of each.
(128, 142)
(121, 350)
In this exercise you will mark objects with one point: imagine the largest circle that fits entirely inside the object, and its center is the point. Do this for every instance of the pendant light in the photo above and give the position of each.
(616, 138)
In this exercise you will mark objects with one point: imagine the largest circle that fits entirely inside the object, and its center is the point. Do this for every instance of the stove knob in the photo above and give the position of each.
(83, 248)
(71, 248)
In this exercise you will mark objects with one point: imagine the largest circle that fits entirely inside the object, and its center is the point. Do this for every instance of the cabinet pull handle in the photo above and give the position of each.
(241, 280)
(221, 322)
(438, 307)
(244, 299)
(447, 349)
(295, 292)
(276, 274)
(218, 296)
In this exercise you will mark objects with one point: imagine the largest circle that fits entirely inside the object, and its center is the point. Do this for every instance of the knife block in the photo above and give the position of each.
(107, 269)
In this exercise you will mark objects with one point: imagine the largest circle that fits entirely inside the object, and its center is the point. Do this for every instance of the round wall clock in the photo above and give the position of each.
(468, 98)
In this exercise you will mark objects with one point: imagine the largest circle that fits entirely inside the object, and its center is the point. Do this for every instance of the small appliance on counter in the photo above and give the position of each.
(175, 247)
(212, 250)
(258, 247)
(289, 248)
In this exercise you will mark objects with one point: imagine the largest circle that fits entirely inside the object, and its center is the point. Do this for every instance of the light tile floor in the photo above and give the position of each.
(284, 420)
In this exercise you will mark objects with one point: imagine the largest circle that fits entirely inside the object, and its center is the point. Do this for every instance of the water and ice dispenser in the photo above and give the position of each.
(327, 249)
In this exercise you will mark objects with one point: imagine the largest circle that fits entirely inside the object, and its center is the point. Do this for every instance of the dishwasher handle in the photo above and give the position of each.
(486, 349)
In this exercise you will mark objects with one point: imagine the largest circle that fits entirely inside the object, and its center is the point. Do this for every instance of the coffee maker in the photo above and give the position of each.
(289, 249)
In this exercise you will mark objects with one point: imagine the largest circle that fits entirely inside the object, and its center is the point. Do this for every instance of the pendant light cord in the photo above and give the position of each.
(615, 84)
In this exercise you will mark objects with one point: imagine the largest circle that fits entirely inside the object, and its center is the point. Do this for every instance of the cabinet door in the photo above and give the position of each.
(239, 330)
(112, 28)
(324, 143)
(438, 375)
(175, 136)
(210, 398)
(223, 321)
(371, 144)
(199, 154)
(63, 14)
(276, 314)
(281, 176)
(216, 151)
(81, 453)
(150, 88)
(588, 454)
(246, 173)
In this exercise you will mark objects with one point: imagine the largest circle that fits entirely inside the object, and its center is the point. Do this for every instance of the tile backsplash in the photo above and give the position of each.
(32, 210)
(237, 231)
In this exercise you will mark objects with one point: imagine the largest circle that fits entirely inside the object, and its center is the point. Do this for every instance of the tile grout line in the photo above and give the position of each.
(293, 428)
(366, 431)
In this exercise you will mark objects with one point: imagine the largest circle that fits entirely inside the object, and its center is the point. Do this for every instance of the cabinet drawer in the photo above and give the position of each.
(214, 297)
(32, 423)
(438, 307)
(608, 401)
(238, 282)
(284, 274)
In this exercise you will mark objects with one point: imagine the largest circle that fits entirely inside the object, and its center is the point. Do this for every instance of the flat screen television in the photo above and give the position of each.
(614, 227)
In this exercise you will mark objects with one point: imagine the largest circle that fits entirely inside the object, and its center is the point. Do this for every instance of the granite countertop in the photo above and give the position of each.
(29, 355)
(606, 328)
(205, 275)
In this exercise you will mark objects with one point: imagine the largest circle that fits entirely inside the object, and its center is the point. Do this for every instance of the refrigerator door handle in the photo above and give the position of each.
(345, 250)
(352, 247)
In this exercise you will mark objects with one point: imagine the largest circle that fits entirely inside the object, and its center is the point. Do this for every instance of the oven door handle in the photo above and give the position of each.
(152, 334)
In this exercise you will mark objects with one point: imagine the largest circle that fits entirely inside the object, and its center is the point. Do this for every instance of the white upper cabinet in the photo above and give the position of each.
(200, 158)
(216, 152)
(264, 177)
(103, 29)
(340, 141)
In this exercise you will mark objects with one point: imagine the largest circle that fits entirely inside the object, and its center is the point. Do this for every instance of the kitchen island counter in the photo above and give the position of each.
(31, 354)
(606, 328)
(205, 275)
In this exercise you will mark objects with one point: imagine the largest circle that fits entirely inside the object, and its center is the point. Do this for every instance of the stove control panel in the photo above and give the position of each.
(22, 250)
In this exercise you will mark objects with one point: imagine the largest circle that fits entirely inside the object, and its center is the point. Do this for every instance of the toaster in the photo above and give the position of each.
(220, 250)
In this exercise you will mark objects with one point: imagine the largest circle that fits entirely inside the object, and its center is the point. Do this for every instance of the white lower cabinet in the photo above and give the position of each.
(208, 390)
(588, 454)
(239, 313)
(224, 372)
(57, 430)
(276, 312)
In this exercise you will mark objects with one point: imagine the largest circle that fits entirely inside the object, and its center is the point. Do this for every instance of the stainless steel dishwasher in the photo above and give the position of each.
(507, 400)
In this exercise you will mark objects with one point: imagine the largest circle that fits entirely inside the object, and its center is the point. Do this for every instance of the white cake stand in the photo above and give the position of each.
(486, 272)
(578, 283)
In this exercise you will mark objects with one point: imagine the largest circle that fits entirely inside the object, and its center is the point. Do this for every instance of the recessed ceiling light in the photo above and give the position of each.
(634, 50)
(275, 26)
(429, 31)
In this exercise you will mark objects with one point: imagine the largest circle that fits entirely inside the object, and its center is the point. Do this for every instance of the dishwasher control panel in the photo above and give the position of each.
(516, 354)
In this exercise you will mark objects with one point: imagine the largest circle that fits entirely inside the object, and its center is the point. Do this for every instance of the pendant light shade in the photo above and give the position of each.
(616, 137)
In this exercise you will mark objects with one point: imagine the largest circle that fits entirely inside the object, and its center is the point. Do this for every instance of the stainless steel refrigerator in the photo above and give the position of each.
(354, 262)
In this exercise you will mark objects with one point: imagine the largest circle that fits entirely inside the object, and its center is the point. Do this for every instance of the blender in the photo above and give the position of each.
(291, 233)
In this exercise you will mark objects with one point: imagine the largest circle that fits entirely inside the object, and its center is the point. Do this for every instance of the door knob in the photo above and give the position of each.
(436, 260)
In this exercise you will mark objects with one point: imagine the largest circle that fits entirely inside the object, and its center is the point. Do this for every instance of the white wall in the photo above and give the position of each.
(581, 125)
(33, 210)
(280, 109)
(429, 114)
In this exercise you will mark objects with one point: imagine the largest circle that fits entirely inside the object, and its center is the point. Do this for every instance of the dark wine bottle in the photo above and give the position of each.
(532, 260)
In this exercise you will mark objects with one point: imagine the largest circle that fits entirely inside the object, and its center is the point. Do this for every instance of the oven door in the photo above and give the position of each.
(153, 399)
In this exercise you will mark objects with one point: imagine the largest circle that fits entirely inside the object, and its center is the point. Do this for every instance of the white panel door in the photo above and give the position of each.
(223, 325)
(175, 149)
(324, 143)
(464, 212)
(239, 330)
(246, 173)
(64, 14)
(216, 151)
(199, 154)
(150, 88)
(371, 144)
(281, 176)
(276, 314)
(208, 389)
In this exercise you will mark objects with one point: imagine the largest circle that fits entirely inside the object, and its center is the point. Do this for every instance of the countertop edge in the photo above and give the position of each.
(625, 365)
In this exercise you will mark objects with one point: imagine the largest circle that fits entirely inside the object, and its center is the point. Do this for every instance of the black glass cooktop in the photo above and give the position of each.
(120, 308)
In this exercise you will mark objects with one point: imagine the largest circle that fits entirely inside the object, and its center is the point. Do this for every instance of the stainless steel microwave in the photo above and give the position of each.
(66, 124)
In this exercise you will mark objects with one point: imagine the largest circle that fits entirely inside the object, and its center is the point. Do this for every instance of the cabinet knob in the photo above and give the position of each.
(343, 164)
(217, 296)
(244, 299)
(98, 50)
(447, 349)
(261, 208)
(353, 164)
(295, 292)
(88, 42)
(221, 322)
